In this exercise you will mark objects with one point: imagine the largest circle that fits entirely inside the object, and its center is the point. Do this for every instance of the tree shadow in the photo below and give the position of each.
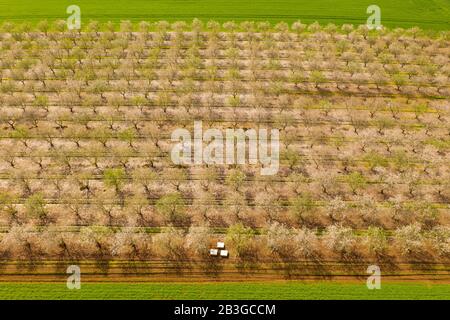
(103, 265)
(4, 260)
(311, 266)
(30, 265)
(212, 267)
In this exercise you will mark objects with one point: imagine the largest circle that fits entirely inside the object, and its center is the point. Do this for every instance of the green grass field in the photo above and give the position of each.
(224, 291)
(428, 14)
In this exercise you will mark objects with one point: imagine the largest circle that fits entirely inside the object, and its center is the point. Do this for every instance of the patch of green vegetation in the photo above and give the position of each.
(423, 13)
(292, 290)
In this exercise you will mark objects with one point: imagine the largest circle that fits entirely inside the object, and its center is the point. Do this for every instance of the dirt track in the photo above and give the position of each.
(150, 271)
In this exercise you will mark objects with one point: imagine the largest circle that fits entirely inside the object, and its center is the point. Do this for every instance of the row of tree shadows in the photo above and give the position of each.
(216, 268)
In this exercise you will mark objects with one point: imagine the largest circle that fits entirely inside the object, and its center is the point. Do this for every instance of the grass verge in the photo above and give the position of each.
(423, 13)
(289, 290)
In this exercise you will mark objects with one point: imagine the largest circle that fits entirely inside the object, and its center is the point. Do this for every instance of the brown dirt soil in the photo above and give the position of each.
(161, 271)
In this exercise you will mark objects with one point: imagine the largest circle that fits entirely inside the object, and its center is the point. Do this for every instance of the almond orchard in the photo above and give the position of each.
(85, 142)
